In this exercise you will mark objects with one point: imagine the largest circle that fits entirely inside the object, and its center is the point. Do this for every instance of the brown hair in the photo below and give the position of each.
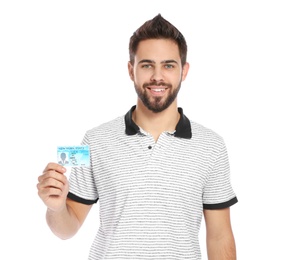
(157, 28)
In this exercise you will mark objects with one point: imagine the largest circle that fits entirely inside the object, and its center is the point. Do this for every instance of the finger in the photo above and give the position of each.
(51, 182)
(50, 171)
(51, 177)
(51, 187)
(50, 192)
(55, 167)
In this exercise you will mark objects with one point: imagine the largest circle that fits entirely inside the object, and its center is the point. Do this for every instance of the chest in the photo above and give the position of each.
(153, 172)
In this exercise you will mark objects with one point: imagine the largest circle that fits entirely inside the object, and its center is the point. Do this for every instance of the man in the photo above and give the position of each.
(154, 172)
(63, 160)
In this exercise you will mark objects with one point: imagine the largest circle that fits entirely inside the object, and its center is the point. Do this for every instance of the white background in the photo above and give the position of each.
(63, 70)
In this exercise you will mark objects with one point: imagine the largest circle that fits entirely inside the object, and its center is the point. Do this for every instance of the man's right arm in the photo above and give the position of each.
(65, 223)
(64, 216)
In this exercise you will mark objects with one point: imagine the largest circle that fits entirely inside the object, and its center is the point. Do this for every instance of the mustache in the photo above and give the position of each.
(146, 85)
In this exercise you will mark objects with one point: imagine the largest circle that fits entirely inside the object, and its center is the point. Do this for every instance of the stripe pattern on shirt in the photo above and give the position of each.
(151, 194)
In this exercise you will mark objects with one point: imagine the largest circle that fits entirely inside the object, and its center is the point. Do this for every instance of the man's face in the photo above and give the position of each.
(157, 73)
(63, 156)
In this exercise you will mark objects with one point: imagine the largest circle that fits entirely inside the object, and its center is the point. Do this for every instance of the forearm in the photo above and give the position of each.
(221, 249)
(64, 224)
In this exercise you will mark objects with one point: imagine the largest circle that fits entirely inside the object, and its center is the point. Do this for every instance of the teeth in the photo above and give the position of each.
(158, 89)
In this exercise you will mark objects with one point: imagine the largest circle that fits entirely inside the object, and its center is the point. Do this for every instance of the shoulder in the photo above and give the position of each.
(108, 129)
(205, 135)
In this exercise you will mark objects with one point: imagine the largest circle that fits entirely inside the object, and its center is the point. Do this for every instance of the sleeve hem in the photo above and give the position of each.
(81, 200)
(223, 205)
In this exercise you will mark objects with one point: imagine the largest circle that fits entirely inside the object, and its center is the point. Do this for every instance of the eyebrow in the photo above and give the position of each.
(152, 61)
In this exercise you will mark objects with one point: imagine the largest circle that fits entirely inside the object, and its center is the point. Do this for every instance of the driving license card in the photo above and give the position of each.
(74, 156)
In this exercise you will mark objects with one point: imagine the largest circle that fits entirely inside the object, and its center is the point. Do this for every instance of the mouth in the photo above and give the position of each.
(157, 91)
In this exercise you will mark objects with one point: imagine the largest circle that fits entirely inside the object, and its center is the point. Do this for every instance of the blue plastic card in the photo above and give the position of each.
(74, 156)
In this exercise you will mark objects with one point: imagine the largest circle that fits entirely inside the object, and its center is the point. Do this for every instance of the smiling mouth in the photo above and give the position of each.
(157, 89)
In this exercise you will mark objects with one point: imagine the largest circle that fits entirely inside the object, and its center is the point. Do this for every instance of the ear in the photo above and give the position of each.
(185, 71)
(130, 71)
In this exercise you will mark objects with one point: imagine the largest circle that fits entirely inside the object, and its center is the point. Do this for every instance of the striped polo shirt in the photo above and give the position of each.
(152, 194)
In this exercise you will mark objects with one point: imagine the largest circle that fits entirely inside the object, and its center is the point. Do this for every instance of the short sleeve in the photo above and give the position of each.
(218, 191)
(82, 187)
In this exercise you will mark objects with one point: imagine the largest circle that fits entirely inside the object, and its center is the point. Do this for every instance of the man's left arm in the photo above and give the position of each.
(220, 238)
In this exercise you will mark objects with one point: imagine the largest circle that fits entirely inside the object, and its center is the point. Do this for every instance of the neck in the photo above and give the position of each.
(156, 123)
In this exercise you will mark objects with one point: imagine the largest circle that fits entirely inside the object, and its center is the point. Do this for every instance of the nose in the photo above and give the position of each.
(157, 75)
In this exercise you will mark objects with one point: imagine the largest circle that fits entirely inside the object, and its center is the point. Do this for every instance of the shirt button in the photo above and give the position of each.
(149, 147)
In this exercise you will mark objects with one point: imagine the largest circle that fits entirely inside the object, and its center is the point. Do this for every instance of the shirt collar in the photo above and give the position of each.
(183, 128)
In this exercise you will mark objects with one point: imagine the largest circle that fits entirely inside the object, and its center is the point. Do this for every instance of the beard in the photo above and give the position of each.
(157, 104)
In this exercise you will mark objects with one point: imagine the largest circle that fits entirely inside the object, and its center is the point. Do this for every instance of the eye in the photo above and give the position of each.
(146, 66)
(169, 66)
